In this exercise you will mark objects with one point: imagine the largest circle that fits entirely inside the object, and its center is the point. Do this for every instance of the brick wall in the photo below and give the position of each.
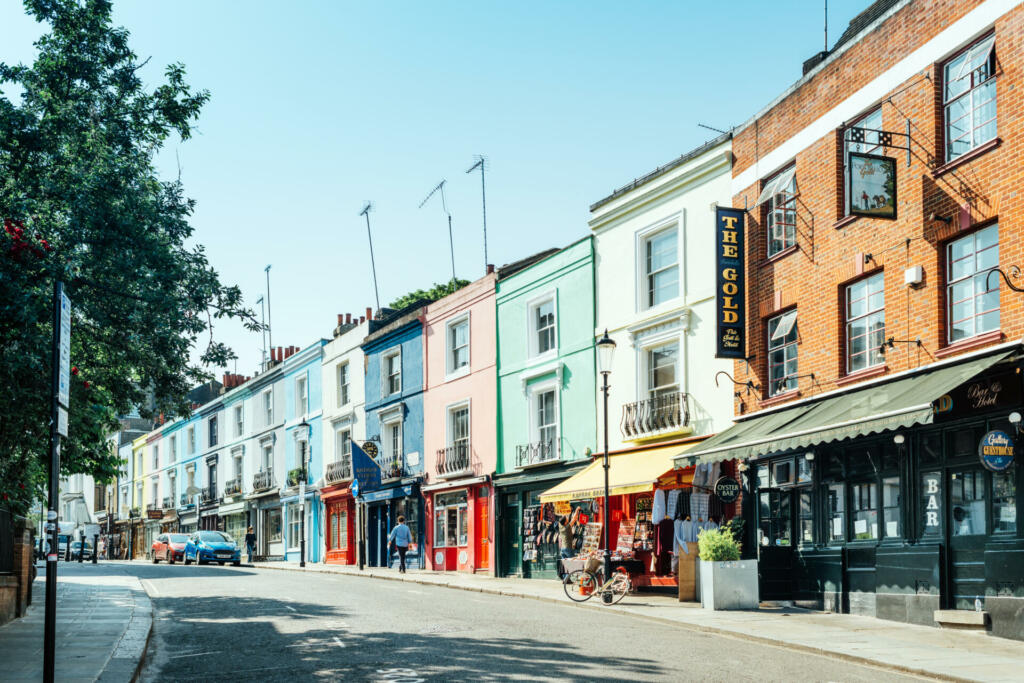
(832, 250)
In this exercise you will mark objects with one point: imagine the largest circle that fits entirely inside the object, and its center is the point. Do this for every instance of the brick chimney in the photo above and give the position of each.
(348, 318)
(369, 314)
(490, 268)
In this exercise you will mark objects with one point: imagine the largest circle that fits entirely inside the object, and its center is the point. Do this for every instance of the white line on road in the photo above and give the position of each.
(338, 642)
(416, 592)
(195, 654)
(291, 608)
(150, 588)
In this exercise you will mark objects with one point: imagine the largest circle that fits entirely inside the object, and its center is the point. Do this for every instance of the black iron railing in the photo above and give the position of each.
(233, 487)
(453, 460)
(263, 480)
(339, 471)
(652, 416)
(536, 453)
(209, 494)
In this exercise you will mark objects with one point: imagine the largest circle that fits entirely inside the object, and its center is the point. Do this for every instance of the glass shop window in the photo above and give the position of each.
(891, 506)
(782, 472)
(775, 517)
(763, 479)
(836, 513)
(806, 519)
(967, 496)
(1004, 503)
(931, 448)
(803, 470)
(930, 506)
(864, 506)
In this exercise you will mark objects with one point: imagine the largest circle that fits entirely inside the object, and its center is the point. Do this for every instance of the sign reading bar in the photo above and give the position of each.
(996, 451)
(730, 282)
(727, 489)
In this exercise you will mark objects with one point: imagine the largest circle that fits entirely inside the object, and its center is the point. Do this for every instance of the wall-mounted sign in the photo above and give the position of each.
(727, 489)
(730, 282)
(992, 391)
(931, 503)
(996, 451)
(366, 474)
(370, 448)
(872, 184)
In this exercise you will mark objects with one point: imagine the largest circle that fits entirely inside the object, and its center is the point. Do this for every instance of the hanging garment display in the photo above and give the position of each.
(672, 503)
(658, 507)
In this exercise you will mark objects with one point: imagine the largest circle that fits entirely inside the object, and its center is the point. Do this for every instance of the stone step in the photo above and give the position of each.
(961, 619)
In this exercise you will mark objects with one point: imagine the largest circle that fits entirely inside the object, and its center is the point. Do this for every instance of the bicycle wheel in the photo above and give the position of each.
(579, 585)
(619, 586)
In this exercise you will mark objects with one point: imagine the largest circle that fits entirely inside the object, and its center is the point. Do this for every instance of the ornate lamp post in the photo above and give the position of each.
(605, 355)
(302, 493)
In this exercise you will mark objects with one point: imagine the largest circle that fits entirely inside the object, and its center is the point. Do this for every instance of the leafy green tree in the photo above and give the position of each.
(428, 295)
(83, 203)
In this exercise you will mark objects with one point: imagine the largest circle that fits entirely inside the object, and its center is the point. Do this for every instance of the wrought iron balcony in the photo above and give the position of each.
(263, 480)
(339, 471)
(134, 512)
(233, 487)
(454, 460)
(655, 416)
(391, 467)
(536, 453)
(209, 495)
(185, 501)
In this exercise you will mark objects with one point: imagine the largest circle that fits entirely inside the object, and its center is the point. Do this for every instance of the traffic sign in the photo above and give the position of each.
(64, 388)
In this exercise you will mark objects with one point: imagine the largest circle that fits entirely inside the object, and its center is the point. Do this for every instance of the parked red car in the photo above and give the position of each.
(169, 547)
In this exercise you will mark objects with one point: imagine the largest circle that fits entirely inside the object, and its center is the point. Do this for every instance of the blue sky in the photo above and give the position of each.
(319, 106)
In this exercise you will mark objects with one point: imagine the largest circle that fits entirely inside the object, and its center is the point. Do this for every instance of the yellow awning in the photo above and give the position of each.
(634, 472)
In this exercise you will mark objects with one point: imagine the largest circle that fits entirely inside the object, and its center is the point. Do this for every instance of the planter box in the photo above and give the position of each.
(729, 585)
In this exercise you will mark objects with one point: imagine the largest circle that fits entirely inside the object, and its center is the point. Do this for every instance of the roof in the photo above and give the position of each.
(516, 266)
(863, 20)
(661, 170)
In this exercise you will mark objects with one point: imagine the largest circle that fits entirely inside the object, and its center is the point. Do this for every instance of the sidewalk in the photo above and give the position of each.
(923, 650)
(103, 622)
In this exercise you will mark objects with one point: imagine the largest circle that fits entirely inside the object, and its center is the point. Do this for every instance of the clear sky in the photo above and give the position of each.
(319, 106)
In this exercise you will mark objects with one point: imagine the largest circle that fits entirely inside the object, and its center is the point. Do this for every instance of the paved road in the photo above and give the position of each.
(222, 623)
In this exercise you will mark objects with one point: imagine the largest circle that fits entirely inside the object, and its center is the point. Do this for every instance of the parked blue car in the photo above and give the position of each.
(212, 546)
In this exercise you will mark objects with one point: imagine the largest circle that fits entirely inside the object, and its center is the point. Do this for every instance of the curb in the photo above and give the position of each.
(712, 630)
(125, 663)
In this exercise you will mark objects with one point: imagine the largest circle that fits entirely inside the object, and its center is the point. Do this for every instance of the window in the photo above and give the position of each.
(392, 373)
(451, 521)
(174, 489)
(191, 439)
(156, 457)
(343, 445)
(782, 367)
(891, 506)
(865, 323)
(237, 458)
(806, 518)
(301, 396)
(293, 525)
(782, 473)
(546, 412)
(775, 518)
(458, 428)
(662, 378)
(394, 439)
(864, 506)
(862, 142)
(972, 308)
(543, 334)
(836, 513)
(967, 497)
(969, 95)
(156, 494)
(342, 384)
(268, 407)
(458, 344)
(267, 455)
(239, 420)
(274, 525)
(661, 267)
(1004, 503)
(212, 429)
(172, 454)
(779, 196)
(191, 475)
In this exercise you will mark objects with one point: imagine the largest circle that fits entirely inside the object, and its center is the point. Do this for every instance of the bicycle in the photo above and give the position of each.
(581, 585)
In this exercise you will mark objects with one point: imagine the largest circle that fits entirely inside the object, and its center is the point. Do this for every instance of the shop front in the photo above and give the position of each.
(151, 529)
(188, 520)
(169, 522)
(517, 504)
(234, 516)
(382, 509)
(459, 525)
(340, 516)
(266, 516)
(896, 500)
(209, 520)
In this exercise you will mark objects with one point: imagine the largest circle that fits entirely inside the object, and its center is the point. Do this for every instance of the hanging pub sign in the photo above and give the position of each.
(996, 451)
(731, 286)
(727, 489)
(872, 183)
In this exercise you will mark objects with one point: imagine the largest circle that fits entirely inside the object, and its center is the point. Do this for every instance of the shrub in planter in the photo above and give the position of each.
(718, 545)
(726, 582)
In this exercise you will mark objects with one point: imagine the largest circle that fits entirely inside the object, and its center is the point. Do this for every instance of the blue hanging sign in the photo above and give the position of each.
(996, 451)
(366, 472)
(731, 289)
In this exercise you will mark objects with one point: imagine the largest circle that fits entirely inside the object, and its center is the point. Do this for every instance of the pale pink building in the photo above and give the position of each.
(459, 427)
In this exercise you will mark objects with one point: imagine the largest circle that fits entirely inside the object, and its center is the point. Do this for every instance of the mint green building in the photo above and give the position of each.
(547, 385)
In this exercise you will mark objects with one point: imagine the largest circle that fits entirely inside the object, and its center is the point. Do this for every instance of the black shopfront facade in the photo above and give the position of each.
(900, 519)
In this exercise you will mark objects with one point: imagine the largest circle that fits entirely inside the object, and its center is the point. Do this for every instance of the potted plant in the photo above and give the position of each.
(295, 476)
(726, 582)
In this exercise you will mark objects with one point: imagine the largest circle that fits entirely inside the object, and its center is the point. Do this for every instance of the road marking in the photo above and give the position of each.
(337, 641)
(291, 608)
(416, 592)
(151, 588)
(195, 654)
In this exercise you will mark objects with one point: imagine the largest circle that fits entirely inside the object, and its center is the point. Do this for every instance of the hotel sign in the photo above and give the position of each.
(996, 451)
(730, 283)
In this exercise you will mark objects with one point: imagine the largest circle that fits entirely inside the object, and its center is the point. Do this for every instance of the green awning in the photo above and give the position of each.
(894, 405)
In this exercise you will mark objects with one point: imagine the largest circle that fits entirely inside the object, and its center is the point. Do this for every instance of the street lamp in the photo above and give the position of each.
(605, 354)
(302, 493)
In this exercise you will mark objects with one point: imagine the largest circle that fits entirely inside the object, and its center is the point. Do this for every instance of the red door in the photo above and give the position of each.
(483, 529)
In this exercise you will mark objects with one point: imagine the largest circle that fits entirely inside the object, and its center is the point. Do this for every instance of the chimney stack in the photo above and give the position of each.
(341, 319)
(369, 313)
(348, 318)
(362, 319)
(490, 268)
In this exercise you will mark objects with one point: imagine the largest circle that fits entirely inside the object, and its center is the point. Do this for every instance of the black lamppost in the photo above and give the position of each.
(605, 354)
(302, 493)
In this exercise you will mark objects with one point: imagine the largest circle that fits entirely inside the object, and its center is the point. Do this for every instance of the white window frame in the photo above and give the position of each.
(871, 349)
(975, 275)
(449, 428)
(239, 419)
(266, 461)
(156, 456)
(643, 238)
(385, 385)
(773, 389)
(292, 533)
(237, 455)
(773, 189)
(301, 441)
(192, 439)
(172, 454)
(983, 47)
(452, 372)
(267, 398)
(648, 369)
(532, 329)
(339, 442)
(341, 377)
(535, 392)
(386, 441)
(301, 395)
(212, 427)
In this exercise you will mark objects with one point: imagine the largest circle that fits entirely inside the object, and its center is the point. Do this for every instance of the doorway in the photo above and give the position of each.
(511, 532)
(377, 536)
(967, 528)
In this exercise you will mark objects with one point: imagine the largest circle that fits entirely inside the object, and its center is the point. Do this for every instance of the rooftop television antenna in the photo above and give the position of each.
(373, 266)
(481, 164)
(263, 334)
(444, 207)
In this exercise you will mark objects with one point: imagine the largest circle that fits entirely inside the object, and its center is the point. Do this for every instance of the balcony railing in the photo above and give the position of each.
(655, 416)
(134, 512)
(185, 501)
(339, 471)
(209, 495)
(391, 467)
(263, 480)
(232, 487)
(151, 506)
(168, 503)
(536, 453)
(453, 460)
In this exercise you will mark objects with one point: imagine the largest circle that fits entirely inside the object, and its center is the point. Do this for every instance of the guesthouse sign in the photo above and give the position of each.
(730, 294)
(996, 451)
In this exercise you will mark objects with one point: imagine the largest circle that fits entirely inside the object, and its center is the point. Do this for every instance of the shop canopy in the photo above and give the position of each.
(634, 472)
(895, 405)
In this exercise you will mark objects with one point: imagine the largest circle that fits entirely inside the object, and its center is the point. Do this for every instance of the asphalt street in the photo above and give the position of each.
(224, 623)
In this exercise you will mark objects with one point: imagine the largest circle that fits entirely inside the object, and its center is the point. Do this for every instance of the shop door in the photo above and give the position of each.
(483, 532)
(511, 536)
(376, 536)
(967, 529)
(451, 551)
(775, 539)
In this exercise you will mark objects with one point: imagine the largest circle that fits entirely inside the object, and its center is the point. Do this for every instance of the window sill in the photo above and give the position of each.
(843, 222)
(456, 374)
(778, 256)
(862, 375)
(970, 343)
(780, 398)
(967, 157)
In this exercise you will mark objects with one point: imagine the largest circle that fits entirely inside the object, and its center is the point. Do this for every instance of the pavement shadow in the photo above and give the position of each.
(144, 570)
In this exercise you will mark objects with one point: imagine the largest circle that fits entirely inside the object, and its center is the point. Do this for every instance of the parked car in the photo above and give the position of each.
(212, 546)
(168, 547)
(76, 550)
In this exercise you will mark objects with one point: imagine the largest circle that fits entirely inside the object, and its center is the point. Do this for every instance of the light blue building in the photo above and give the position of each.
(394, 424)
(303, 444)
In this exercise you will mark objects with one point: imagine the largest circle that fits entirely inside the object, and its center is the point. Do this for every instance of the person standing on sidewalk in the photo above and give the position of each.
(401, 537)
(250, 543)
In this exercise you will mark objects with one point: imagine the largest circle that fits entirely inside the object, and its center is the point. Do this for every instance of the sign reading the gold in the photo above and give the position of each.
(731, 283)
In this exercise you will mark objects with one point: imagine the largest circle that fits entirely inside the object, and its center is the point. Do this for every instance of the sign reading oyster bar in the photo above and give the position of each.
(730, 282)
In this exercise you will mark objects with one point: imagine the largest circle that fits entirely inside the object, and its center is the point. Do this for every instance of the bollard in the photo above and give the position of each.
(95, 547)
(81, 549)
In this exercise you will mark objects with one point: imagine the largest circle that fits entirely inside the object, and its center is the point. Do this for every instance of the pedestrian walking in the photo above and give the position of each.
(401, 537)
(250, 543)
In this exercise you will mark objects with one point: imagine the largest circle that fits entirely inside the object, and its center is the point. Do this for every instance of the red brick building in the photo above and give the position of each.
(881, 190)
